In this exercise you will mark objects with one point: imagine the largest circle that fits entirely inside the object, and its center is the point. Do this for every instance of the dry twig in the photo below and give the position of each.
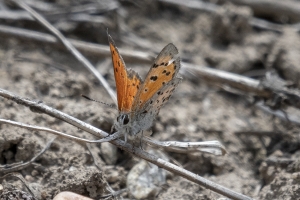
(70, 47)
(248, 86)
(278, 9)
(85, 47)
(17, 166)
(20, 177)
(212, 8)
(215, 76)
(136, 151)
(213, 147)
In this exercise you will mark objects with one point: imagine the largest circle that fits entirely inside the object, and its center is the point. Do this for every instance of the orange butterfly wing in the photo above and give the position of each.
(127, 82)
(164, 69)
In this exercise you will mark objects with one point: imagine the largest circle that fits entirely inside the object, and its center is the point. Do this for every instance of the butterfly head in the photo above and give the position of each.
(126, 125)
(123, 119)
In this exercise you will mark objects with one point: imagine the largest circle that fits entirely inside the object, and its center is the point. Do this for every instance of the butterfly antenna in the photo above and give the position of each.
(90, 99)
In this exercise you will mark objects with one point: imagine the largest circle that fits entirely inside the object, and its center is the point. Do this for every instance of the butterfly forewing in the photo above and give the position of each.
(127, 82)
(164, 69)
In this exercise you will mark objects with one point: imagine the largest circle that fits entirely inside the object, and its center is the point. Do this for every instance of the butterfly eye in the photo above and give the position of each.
(125, 119)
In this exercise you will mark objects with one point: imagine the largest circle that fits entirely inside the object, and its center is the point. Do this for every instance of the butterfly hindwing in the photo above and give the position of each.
(153, 105)
(132, 86)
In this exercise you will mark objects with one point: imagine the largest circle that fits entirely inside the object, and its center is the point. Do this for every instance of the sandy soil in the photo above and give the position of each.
(262, 166)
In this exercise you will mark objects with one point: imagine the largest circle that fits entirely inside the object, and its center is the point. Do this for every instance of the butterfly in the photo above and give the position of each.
(139, 101)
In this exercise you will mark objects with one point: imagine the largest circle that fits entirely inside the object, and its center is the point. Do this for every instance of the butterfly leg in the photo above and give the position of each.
(125, 137)
(141, 143)
(112, 128)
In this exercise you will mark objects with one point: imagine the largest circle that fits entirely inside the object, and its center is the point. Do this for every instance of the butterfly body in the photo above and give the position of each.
(132, 126)
(139, 101)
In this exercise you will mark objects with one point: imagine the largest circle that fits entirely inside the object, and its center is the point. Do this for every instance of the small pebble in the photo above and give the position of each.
(34, 173)
(29, 178)
(109, 153)
(70, 196)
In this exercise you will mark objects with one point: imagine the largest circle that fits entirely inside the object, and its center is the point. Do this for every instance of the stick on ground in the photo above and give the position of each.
(136, 151)
(70, 47)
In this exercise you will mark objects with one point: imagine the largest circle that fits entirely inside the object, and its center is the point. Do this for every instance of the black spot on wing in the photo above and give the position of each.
(175, 65)
(154, 65)
(153, 78)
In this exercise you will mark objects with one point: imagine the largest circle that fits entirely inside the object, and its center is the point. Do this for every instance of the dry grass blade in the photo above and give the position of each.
(86, 47)
(248, 86)
(70, 47)
(39, 128)
(269, 8)
(212, 8)
(278, 113)
(20, 177)
(213, 147)
(17, 166)
(242, 83)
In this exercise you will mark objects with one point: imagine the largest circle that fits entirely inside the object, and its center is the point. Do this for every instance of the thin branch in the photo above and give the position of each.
(70, 47)
(114, 194)
(20, 177)
(279, 113)
(15, 15)
(264, 24)
(39, 128)
(244, 84)
(213, 147)
(215, 76)
(212, 8)
(283, 162)
(136, 151)
(264, 133)
(17, 167)
(290, 9)
(86, 47)
(258, 7)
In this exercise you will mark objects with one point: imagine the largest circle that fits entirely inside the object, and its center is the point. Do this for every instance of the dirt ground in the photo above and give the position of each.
(262, 159)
